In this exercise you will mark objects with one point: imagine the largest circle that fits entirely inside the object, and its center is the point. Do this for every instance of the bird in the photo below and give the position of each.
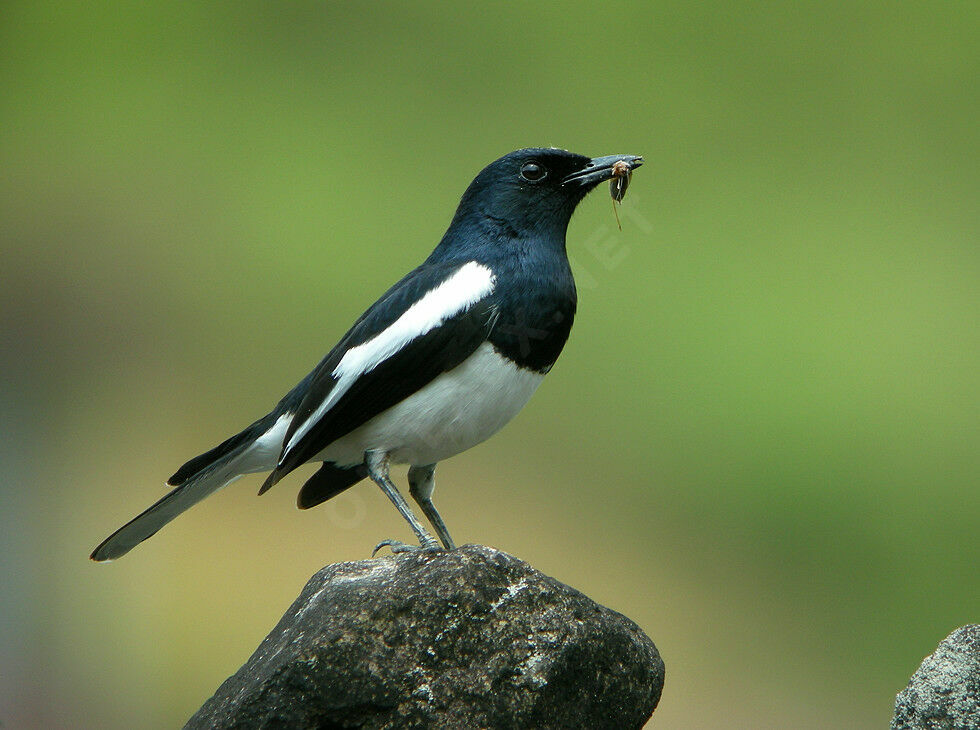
(438, 364)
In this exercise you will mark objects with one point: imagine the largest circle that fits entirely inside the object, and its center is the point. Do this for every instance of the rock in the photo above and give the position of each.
(944, 693)
(472, 638)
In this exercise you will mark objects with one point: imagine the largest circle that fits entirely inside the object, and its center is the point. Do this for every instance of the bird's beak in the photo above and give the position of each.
(600, 169)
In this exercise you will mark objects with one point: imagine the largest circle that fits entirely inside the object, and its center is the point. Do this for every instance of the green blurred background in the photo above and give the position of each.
(761, 442)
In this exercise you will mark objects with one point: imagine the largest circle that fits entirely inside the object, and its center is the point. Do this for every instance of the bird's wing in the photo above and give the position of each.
(425, 325)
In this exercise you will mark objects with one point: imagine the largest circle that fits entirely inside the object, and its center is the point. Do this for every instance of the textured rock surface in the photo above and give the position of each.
(473, 638)
(944, 693)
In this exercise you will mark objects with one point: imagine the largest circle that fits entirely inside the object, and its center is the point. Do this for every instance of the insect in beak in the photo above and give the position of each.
(621, 173)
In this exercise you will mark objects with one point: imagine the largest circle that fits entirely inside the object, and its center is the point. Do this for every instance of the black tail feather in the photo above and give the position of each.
(106, 549)
(201, 476)
(208, 458)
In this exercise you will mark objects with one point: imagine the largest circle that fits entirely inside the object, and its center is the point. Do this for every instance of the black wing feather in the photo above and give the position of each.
(329, 481)
(407, 371)
(397, 377)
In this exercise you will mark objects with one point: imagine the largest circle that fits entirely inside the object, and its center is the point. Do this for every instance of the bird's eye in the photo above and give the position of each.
(533, 172)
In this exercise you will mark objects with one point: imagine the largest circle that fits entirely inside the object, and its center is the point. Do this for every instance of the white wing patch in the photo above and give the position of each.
(471, 283)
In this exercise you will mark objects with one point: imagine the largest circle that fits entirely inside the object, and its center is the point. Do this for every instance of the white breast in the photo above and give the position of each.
(454, 412)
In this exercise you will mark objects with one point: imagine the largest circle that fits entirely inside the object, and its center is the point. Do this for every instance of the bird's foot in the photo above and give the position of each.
(397, 547)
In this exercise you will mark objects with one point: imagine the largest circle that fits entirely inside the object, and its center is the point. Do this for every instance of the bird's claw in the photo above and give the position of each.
(397, 547)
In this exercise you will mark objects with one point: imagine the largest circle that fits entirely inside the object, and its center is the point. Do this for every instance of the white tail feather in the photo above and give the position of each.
(261, 455)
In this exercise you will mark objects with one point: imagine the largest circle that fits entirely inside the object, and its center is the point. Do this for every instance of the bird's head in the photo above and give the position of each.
(535, 190)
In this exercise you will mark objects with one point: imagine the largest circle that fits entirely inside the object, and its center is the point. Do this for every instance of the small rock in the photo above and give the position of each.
(472, 638)
(944, 693)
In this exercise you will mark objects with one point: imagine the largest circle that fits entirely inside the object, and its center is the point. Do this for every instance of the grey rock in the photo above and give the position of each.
(944, 693)
(472, 638)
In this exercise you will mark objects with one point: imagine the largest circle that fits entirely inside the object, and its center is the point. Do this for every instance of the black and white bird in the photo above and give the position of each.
(439, 363)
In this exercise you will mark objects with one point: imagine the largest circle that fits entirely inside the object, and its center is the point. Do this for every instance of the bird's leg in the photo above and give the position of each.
(377, 466)
(421, 482)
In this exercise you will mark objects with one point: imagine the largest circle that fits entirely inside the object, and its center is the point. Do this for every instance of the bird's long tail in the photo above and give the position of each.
(254, 449)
